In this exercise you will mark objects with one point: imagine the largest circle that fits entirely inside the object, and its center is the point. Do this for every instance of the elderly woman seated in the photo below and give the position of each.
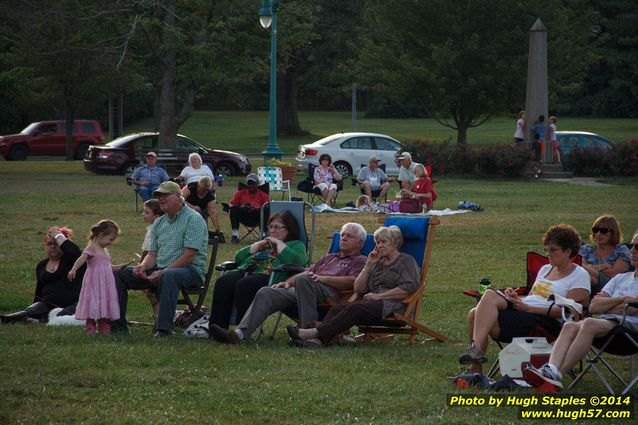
(606, 257)
(387, 278)
(504, 315)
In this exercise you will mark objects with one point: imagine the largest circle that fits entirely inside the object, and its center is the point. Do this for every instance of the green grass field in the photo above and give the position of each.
(247, 132)
(58, 375)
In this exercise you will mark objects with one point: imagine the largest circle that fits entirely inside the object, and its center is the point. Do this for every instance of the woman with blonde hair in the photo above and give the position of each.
(606, 256)
(200, 196)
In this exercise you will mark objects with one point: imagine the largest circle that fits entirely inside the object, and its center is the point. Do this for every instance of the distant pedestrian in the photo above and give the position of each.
(519, 133)
(552, 139)
(538, 133)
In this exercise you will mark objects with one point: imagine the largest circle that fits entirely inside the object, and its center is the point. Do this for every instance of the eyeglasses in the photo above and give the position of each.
(633, 246)
(275, 227)
(601, 230)
(551, 250)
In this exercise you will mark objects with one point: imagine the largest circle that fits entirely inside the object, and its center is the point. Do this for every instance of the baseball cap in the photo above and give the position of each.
(373, 158)
(167, 187)
(405, 155)
(152, 154)
(252, 177)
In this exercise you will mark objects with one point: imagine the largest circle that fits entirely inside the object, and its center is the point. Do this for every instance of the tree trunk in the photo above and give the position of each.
(461, 132)
(287, 116)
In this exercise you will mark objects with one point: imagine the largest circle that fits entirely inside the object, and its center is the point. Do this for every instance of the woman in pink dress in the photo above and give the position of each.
(98, 297)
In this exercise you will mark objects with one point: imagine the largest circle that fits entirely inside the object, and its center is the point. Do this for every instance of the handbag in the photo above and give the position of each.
(410, 205)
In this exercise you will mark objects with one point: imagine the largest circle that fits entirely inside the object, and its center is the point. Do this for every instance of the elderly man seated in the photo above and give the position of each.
(576, 338)
(373, 181)
(328, 278)
(245, 206)
(406, 172)
(147, 177)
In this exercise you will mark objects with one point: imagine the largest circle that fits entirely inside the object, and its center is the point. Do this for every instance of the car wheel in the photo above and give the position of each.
(128, 169)
(18, 153)
(343, 168)
(80, 152)
(225, 169)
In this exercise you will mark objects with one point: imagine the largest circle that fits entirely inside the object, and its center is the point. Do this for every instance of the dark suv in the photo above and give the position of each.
(123, 154)
(49, 138)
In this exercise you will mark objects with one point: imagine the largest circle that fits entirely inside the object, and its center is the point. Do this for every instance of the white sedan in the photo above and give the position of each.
(351, 151)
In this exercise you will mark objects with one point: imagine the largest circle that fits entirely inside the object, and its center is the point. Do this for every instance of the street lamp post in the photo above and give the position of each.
(268, 18)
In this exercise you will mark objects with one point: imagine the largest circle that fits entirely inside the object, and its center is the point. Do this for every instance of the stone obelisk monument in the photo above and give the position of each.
(536, 102)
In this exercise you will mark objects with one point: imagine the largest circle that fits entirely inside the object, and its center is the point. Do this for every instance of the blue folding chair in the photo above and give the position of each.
(418, 234)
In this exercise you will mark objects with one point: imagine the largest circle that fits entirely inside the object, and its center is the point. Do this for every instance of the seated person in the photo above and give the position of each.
(576, 338)
(606, 257)
(193, 172)
(504, 315)
(147, 177)
(245, 205)
(422, 189)
(374, 182)
(150, 213)
(237, 288)
(200, 196)
(53, 289)
(324, 177)
(329, 278)
(406, 172)
(387, 278)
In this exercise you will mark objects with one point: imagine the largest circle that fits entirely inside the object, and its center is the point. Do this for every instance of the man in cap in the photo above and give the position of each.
(406, 172)
(372, 179)
(176, 259)
(147, 177)
(245, 205)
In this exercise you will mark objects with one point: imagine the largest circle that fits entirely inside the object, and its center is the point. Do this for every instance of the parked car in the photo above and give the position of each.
(123, 154)
(49, 138)
(568, 140)
(351, 150)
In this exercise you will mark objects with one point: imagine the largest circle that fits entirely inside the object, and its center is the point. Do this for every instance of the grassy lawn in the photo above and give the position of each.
(247, 132)
(57, 375)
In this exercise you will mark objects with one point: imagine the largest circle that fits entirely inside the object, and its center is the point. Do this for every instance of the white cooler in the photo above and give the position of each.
(532, 349)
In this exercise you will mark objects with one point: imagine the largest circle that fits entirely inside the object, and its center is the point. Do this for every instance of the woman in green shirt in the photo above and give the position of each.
(238, 288)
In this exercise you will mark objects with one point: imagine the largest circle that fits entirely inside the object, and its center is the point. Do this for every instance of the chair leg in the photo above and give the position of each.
(274, 329)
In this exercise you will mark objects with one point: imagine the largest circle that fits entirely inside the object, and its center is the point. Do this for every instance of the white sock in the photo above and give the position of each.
(236, 232)
(239, 333)
(555, 370)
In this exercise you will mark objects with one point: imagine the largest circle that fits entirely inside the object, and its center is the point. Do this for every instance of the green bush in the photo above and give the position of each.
(620, 161)
(503, 159)
(450, 158)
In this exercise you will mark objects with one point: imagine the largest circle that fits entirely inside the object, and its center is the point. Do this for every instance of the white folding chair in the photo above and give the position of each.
(274, 177)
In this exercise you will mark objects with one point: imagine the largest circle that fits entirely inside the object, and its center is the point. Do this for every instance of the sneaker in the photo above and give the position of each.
(539, 377)
(473, 355)
(504, 384)
(234, 239)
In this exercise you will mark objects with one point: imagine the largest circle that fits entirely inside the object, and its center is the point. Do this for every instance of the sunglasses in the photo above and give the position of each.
(633, 246)
(601, 230)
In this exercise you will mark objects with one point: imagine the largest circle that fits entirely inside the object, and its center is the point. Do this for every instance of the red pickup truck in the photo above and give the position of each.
(49, 138)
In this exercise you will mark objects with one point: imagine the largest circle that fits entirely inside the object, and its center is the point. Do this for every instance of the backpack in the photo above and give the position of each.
(198, 329)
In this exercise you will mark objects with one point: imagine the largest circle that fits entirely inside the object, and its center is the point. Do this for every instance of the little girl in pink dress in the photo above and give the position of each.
(98, 297)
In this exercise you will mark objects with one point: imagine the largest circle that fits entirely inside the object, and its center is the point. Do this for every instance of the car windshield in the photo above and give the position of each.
(120, 142)
(29, 129)
(328, 139)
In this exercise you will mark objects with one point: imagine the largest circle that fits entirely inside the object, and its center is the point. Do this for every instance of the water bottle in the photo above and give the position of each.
(484, 283)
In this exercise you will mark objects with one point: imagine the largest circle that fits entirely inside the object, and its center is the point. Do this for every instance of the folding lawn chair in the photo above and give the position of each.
(313, 194)
(252, 226)
(274, 177)
(293, 312)
(619, 342)
(298, 210)
(534, 263)
(418, 235)
(196, 307)
(375, 193)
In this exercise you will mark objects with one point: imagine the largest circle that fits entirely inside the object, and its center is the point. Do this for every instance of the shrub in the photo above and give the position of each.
(503, 159)
(444, 157)
(589, 162)
(625, 158)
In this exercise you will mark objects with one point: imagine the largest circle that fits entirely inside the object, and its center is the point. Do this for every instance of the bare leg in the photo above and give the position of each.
(324, 195)
(331, 194)
(384, 190)
(366, 188)
(487, 323)
(589, 329)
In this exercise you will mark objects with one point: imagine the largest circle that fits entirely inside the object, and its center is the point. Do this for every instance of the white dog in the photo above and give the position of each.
(68, 320)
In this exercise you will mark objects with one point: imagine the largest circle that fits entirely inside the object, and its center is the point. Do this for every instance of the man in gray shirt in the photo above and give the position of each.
(373, 181)
(331, 277)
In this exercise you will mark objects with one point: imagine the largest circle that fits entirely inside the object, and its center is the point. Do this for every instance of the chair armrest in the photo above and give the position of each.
(633, 304)
(225, 207)
(354, 181)
(354, 297)
(226, 265)
(289, 268)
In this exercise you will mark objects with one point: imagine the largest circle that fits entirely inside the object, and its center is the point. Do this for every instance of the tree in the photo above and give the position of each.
(466, 59)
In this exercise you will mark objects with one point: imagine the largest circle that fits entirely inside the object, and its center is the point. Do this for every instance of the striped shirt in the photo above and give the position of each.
(170, 237)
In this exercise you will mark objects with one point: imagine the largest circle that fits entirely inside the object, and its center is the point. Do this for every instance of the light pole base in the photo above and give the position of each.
(272, 151)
